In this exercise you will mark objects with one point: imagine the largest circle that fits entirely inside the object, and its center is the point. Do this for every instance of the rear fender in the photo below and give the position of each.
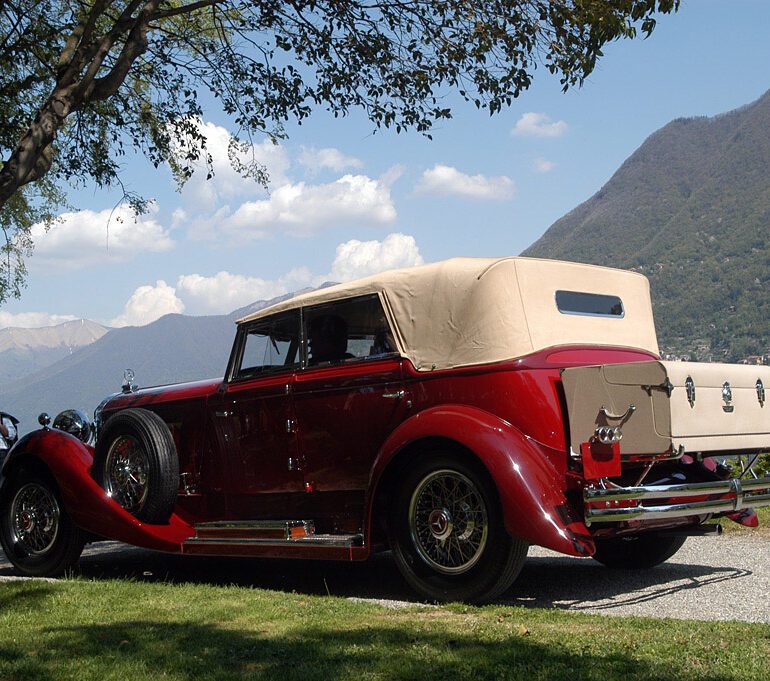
(532, 492)
(69, 461)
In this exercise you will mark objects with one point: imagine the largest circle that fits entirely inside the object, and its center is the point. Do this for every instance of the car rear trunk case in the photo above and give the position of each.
(667, 417)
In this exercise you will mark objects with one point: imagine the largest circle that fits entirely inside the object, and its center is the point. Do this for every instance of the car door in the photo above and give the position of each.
(253, 421)
(347, 400)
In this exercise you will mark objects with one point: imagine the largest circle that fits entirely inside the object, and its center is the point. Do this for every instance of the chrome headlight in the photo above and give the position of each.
(10, 426)
(74, 422)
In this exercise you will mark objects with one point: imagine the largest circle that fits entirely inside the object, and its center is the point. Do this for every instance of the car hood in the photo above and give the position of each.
(176, 392)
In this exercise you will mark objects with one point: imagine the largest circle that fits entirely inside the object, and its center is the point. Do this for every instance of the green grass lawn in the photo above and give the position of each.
(132, 631)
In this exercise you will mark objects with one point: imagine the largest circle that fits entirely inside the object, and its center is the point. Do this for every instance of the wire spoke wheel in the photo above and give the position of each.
(448, 521)
(34, 518)
(36, 532)
(447, 530)
(126, 473)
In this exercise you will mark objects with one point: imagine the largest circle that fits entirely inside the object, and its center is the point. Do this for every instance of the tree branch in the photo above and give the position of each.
(80, 35)
(103, 47)
(136, 44)
(185, 9)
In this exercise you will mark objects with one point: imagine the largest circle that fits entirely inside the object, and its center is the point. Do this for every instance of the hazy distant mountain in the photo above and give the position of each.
(691, 210)
(173, 349)
(23, 351)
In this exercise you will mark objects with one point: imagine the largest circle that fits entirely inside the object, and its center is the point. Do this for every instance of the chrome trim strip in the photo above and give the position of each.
(285, 527)
(693, 489)
(736, 494)
(324, 539)
(253, 524)
(673, 511)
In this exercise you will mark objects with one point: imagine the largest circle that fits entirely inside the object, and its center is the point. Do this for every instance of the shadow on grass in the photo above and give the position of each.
(143, 649)
(32, 598)
(558, 582)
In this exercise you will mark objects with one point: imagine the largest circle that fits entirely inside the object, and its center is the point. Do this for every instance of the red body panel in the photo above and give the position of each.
(147, 397)
(69, 461)
(250, 421)
(343, 418)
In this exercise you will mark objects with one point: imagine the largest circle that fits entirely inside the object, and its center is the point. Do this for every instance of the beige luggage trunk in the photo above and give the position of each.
(671, 407)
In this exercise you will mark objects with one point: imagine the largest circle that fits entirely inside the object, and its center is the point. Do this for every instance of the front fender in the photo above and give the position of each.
(532, 492)
(90, 507)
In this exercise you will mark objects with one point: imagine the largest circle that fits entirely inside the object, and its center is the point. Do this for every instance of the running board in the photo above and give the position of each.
(273, 539)
(268, 530)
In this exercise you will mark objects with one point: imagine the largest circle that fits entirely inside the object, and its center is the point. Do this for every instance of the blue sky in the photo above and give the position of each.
(344, 202)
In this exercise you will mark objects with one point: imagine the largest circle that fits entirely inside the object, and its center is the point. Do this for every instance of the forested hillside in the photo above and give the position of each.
(691, 210)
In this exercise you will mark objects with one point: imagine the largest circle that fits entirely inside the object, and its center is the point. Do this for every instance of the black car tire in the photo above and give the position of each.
(447, 532)
(136, 462)
(37, 534)
(638, 552)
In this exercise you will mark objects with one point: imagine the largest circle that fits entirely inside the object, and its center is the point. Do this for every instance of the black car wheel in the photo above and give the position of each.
(136, 463)
(447, 532)
(637, 552)
(36, 532)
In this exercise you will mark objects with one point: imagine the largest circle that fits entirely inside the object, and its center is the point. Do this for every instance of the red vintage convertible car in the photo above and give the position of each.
(455, 413)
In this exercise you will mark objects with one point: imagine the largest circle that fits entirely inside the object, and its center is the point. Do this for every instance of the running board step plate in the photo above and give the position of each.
(258, 530)
(285, 538)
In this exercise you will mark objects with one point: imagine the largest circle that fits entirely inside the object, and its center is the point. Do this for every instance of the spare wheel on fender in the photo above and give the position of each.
(137, 465)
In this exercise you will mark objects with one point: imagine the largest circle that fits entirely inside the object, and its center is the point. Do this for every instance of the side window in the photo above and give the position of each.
(270, 345)
(347, 330)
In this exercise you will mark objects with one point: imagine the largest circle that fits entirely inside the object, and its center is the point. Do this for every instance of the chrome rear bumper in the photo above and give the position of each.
(627, 503)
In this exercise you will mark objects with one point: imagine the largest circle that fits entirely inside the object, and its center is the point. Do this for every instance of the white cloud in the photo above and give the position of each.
(33, 320)
(357, 259)
(538, 125)
(87, 238)
(302, 209)
(444, 180)
(149, 303)
(389, 177)
(225, 292)
(206, 200)
(542, 165)
(240, 209)
(226, 183)
(316, 159)
(199, 225)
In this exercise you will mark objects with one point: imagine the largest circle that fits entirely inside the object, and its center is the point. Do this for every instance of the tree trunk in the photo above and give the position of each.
(33, 155)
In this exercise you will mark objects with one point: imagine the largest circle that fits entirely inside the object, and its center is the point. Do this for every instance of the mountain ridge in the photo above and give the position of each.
(23, 350)
(690, 208)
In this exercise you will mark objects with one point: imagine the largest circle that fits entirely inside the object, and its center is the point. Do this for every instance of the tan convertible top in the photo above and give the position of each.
(467, 311)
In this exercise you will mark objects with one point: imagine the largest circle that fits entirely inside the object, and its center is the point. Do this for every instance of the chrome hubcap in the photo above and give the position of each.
(125, 472)
(34, 518)
(440, 521)
(448, 521)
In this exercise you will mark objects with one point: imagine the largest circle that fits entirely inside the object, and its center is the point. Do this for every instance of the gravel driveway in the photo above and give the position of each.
(711, 578)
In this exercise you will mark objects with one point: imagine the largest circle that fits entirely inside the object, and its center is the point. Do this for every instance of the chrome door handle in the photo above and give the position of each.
(398, 395)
